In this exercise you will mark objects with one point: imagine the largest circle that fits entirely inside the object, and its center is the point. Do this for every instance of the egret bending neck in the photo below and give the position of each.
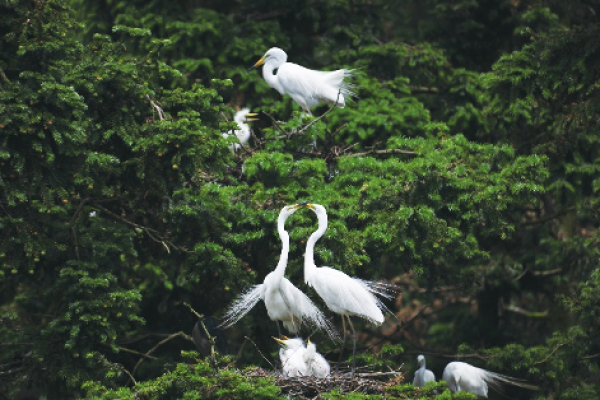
(309, 259)
(270, 77)
(285, 248)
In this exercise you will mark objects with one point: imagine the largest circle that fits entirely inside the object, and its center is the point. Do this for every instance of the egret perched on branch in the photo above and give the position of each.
(293, 357)
(316, 364)
(341, 293)
(306, 86)
(243, 134)
(422, 375)
(284, 301)
(465, 377)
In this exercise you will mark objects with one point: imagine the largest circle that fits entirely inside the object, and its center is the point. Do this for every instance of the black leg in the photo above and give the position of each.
(354, 347)
(337, 366)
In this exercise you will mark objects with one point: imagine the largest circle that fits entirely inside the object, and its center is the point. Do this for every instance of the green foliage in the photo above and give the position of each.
(191, 381)
(466, 170)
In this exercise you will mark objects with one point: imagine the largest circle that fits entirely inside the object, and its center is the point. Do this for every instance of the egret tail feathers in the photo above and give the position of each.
(315, 317)
(242, 305)
(495, 380)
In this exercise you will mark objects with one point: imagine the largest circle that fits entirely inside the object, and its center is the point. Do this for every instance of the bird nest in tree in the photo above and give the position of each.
(310, 387)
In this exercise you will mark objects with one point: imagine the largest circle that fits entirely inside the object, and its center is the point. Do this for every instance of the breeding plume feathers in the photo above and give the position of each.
(461, 376)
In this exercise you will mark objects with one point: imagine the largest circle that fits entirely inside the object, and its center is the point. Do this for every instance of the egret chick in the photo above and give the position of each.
(343, 294)
(284, 301)
(243, 134)
(306, 86)
(465, 377)
(293, 357)
(316, 364)
(422, 375)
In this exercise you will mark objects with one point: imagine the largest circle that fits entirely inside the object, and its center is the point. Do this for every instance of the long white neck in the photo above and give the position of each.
(285, 247)
(309, 258)
(270, 77)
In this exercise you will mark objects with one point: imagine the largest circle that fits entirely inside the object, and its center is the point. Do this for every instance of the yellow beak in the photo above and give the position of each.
(251, 117)
(258, 64)
(281, 342)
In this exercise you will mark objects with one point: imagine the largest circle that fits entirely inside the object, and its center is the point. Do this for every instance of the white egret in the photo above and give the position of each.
(343, 294)
(284, 301)
(461, 376)
(316, 364)
(293, 357)
(306, 86)
(243, 134)
(422, 375)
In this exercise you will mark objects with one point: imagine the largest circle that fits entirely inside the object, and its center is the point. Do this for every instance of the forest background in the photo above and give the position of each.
(466, 171)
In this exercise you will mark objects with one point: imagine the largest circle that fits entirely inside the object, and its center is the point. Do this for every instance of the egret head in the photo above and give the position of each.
(287, 211)
(275, 53)
(288, 343)
(244, 115)
(421, 360)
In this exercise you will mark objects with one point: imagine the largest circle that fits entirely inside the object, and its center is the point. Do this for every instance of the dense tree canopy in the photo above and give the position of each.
(466, 171)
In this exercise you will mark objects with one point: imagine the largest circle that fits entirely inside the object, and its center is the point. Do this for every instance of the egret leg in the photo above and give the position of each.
(337, 366)
(354, 347)
(278, 329)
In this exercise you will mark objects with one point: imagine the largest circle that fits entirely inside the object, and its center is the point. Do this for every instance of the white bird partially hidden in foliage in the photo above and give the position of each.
(422, 375)
(316, 364)
(306, 86)
(293, 357)
(343, 294)
(284, 301)
(242, 134)
(461, 376)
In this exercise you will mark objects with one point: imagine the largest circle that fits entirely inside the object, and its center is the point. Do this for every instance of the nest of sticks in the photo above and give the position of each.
(310, 387)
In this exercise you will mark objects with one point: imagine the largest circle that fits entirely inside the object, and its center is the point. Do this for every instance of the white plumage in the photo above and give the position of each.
(306, 86)
(293, 357)
(422, 375)
(298, 360)
(341, 293)
(242, 134)
(316, 364)
(284, 301)
(461, 376)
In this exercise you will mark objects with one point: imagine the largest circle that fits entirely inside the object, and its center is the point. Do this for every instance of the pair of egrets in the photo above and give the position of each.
(342, 294)
(300, 360)
(461, 376)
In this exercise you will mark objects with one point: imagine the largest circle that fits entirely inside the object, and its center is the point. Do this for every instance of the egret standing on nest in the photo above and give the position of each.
(284, 301)
(343, 294)
(422, 375)
(306, 86)
(243, 134)
(461, 376)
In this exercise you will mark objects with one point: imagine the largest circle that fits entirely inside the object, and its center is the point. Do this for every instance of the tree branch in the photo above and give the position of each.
(168, 339)
(386, 151)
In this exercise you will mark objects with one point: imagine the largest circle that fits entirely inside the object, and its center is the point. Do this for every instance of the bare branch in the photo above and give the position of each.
(386, 151)
(161, 113)
(168, 339)
(259, 352)
(152, 233)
